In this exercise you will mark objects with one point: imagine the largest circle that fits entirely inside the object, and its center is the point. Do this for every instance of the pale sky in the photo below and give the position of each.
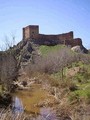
(52, 16)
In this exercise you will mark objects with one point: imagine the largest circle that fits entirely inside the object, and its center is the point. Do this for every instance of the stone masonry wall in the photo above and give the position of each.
(32, 32)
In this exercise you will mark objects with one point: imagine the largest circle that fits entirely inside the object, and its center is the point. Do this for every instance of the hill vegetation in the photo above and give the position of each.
(44, 50)
(61, 74)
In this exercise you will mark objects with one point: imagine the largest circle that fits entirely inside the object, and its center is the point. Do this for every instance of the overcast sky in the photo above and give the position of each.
(52, 16)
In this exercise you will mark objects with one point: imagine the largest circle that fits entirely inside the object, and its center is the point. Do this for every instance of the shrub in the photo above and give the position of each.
(52, 63)
(8, 68)
(54, 82)
(72, 87)
(74, 97)
(88, 97)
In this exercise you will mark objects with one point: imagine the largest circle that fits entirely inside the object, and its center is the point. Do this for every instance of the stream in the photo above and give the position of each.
(19, 106)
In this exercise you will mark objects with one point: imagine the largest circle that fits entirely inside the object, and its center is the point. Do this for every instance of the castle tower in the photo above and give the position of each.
(30, 31)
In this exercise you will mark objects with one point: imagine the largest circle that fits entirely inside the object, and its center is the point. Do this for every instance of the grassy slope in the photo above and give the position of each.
(44, 50)
(82, 80)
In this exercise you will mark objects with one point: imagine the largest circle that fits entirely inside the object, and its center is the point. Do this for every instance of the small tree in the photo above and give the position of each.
(8, 42)
(8, 69)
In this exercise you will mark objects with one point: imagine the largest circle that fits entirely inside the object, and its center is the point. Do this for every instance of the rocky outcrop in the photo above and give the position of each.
(25, 51)
(79, 49)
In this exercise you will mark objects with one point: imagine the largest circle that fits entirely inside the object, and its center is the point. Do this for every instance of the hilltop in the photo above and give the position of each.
(32, 43)
(56, 71)
(50, 74)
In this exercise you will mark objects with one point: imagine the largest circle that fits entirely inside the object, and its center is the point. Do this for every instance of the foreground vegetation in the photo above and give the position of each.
(71, 94)
(61, 81)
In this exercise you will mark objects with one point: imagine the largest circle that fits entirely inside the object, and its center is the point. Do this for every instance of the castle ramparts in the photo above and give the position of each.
(32, 32)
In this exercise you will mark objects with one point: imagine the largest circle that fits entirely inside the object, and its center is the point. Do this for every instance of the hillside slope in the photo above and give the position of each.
(61, 74)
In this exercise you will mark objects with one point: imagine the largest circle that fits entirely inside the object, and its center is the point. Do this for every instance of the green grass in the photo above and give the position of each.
(2, 89)
(44, 50)
(77, 64)
(83, 91)
(58, 75)
(84, 85)
(82, 81)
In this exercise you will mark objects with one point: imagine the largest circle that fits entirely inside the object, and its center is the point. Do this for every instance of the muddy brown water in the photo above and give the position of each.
(26, 101)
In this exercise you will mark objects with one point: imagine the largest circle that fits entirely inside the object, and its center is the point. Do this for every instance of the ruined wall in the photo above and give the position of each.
(52, 39)
(26, 33)
(74, 42)
(42, 39)
(77, 41)
(46, 37)
(32, 32)
(66, 36)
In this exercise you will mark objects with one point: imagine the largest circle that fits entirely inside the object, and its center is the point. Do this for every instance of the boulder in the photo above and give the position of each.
(77, 49)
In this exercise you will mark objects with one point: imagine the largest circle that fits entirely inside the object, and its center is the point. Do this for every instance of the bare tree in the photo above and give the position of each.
(8, 42)
(13, 37)
(8, 69)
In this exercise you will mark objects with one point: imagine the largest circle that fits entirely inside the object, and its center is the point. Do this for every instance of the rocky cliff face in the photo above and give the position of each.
(25, 51)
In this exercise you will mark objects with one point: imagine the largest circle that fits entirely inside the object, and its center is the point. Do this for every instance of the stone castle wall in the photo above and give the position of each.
(64, 36)
(32, 32)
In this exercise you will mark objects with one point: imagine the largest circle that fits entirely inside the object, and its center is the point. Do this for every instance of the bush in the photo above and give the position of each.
(88, 97)
(73, 87)
(52, 63)
(74, 97)
(83, 75)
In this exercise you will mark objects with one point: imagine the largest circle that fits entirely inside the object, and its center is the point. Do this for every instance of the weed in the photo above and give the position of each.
(74, 97)
(88, 97)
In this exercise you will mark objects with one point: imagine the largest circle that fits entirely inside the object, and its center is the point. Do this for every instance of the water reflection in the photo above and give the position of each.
(17, 106)
(45, 113)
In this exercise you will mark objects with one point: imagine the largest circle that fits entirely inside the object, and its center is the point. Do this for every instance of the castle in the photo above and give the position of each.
(32, 32)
